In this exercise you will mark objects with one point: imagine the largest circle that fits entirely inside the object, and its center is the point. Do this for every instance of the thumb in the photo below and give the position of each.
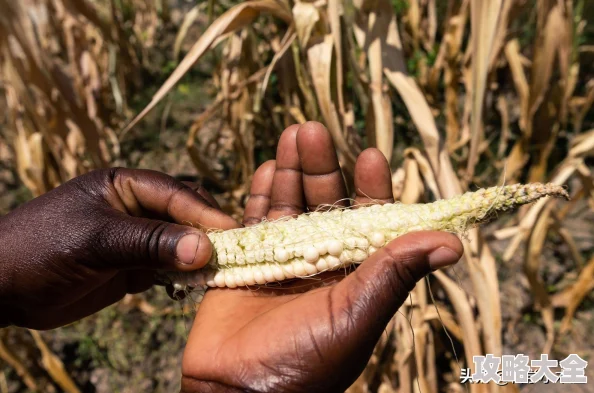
(128, 242)
(381, 284)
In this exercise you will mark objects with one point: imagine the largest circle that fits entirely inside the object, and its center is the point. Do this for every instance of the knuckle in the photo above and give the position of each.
(130, 242)
(286, 208)
(153, 241)
(404, 272)
(249, 221)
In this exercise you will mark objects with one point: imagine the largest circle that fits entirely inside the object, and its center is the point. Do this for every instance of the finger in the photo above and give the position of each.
(381, 284)
(287, 185)
(322, 178)
(127, 242)
(138, 191)
(258, 203)
(200, 190)
(373, 180)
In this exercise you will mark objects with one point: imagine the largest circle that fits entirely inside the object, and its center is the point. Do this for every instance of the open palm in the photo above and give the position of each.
(311, 335)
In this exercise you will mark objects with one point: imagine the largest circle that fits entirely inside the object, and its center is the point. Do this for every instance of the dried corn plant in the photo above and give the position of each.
(67, 70)
(485, 102)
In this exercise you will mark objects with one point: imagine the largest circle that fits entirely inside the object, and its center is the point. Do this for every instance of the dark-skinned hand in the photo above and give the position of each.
(85, 244)
(289, 339)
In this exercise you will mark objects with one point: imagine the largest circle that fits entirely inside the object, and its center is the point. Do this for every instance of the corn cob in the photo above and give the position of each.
(321, 241)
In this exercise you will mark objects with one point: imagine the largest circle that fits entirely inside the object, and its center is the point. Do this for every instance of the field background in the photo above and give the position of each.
(458, 94)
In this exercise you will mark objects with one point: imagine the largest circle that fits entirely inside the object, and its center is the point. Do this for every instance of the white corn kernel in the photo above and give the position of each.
(299, 268)
(310, 269)
(350, 242)
(346, 256)
(321, 247)
(321, 264)
(311, 254)
(277, 273)
(281, 255)
(239, 280)
(334, 247)
(248, 276)
(365, 227)
(260, 256)
(377, 239)
(333, 262)
(250, 257)
(219, 279)
(267, 273)
(288, 270)
(230, 280)
(359, 255)
(362, 243)
(259, 276)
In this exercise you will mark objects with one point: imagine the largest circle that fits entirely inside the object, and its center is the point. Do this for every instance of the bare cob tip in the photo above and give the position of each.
(555, 190)
(503, 198)
(533, 191)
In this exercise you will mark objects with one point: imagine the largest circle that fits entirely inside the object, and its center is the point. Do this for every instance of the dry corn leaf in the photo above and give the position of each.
(413, 17)
(381, 135)
(237, 17)
(305, 16)
(189, 19)
(53, 365)
(7, 355)
(320, 64)
(581, 148)
(550, 39)
(466, 321)
(286, 43)
(484, 17)
(413, 188)
(502, 30)
(582, 145)
(572, 297)
(442, 315)
(425, 169)
(532, 262)
(581, 106)
(335, 12)
(431, 28)
(514, 60)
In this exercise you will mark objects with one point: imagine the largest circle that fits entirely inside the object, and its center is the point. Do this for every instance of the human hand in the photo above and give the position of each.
(87, 243)
(312, 335)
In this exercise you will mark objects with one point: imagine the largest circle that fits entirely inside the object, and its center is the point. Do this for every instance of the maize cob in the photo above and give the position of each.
(321, 241)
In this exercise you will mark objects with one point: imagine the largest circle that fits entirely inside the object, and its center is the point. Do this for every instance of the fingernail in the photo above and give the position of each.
(187, 247)
(442, 257)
